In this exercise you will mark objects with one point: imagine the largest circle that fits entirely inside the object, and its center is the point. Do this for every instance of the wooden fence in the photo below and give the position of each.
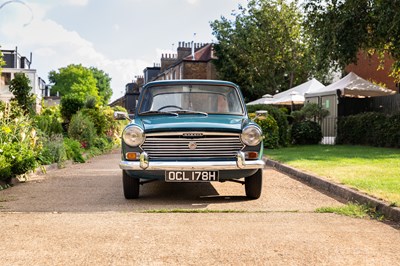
(384, 104)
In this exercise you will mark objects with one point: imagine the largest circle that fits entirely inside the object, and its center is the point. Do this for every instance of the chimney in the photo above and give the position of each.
(183, 50)
(193, 44)
(167, 60)
(140, 80)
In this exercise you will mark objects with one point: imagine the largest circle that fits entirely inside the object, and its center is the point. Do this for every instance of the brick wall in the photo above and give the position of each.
(195, 70)
(211, 71)
(367, 66)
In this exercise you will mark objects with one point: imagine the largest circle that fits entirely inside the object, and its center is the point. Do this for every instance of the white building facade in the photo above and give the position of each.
(15, 63)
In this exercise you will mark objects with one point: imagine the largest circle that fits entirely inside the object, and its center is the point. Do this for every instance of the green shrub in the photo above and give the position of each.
(73, 150)
(103, 144)
(23, 158)
(91, 102)
(53, 150)
(279, 116)
(375, 129)
(18, 142)
(98, 118)
(270, 131)
(82, 129)
(361, 129)
(5, 167)
(392, 131)
(70, 105)
(48, 124)
(306, 132)
(310, 111)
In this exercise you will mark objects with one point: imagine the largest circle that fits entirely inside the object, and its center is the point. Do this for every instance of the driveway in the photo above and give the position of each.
(78, 216)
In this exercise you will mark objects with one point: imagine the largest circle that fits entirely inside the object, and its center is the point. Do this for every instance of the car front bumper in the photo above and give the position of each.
(145, 164)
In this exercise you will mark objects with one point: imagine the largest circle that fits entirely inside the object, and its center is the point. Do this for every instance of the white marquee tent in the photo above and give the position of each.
(294, 95)
(266, 99)
(328, 97)
(352, 86)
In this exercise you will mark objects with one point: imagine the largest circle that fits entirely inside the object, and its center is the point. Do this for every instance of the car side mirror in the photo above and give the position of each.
(118, 115)
(261, 113)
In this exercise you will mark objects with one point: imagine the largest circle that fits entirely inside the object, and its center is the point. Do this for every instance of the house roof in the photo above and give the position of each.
(203, 54)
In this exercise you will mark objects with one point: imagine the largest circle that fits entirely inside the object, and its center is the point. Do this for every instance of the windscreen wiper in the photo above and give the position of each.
(191, 112)
(158, 113)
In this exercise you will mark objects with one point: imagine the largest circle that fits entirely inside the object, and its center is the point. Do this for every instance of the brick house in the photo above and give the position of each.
(192, 61)
(368, 67)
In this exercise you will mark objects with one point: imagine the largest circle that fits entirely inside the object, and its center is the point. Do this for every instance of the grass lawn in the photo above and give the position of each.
(375, 171)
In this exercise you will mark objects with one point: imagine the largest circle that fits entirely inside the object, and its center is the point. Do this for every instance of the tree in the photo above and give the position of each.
(310, 111)
(20, 88)
(76, 80)
(341, 28)
(103, 84)
(264, 49)
(2, 63)
(70, 104)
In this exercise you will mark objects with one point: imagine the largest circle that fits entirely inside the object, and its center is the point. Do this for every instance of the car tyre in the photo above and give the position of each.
(131, 186)
(253, 185)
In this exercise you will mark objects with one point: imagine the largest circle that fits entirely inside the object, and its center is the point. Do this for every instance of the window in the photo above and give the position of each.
(200, 98)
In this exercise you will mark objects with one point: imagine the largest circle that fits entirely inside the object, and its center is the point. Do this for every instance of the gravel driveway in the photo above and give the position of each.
(78, 216)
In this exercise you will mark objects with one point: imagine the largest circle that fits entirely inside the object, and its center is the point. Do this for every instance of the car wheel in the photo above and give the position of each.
(253, 185)
(131, 186)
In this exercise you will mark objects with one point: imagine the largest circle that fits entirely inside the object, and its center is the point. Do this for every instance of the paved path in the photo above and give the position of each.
(78, 216)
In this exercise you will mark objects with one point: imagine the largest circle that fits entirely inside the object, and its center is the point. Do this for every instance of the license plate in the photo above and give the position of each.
(191, 176)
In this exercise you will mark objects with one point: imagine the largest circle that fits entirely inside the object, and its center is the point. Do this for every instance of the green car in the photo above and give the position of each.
(191, 131)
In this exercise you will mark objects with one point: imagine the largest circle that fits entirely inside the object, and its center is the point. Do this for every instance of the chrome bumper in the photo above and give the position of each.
(144, 164)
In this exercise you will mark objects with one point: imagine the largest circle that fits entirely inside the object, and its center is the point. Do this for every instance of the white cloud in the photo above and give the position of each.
(54, 47)
(77, 2)
(192, 2)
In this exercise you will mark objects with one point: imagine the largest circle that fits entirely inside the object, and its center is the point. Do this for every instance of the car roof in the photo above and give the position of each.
(192, 81)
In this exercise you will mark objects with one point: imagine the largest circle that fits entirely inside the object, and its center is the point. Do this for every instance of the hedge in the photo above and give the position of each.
(306, 132)
(372, 128)
(270, 131)
(279, 116)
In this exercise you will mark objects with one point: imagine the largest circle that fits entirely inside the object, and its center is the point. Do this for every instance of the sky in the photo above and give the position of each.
(121, 37)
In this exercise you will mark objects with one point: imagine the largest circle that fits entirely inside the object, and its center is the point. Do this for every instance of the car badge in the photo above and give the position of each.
(192, 134)
(192, 145)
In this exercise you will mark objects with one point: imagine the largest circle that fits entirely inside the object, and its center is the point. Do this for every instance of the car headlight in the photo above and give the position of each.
(251, 136)
(133, 136)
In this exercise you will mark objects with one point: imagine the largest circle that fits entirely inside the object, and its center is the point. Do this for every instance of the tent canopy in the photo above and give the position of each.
(352, 86)
(294, 95)
(266, 99)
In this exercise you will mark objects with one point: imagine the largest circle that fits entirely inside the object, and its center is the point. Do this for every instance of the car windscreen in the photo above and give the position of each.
(196, 98)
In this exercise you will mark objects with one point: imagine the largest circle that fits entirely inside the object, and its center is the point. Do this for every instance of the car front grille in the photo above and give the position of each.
(192, 145)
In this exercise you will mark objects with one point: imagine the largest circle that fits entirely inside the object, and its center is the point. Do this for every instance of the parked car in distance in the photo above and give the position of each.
(191, 131)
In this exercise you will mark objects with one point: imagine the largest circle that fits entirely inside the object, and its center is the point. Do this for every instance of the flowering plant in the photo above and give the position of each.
(18, 142)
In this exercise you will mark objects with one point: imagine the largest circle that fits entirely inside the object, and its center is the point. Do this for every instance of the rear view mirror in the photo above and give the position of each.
(118, 115)
(261, 112)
